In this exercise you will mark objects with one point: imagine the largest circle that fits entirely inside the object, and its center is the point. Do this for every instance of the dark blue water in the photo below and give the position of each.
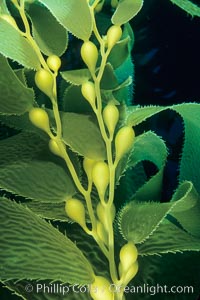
(167, 62)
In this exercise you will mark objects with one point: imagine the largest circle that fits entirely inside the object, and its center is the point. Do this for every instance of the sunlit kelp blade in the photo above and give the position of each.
(39, 242)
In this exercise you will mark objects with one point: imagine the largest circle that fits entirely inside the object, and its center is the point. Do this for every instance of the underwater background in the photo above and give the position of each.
(166, 57)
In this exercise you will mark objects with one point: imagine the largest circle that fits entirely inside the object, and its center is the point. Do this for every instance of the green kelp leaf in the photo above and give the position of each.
(188, 211)
(76, 77)
(75, 16)
(150, 147)
(121, 60)
(15, 98)
(189, 169)
(89, 248)
(109, 80)
(21, 122)
(169, 238)
(48, 210)
(137, 114)
(82, 134)
(126, 10)
(124, 73)
(29, 169)
(190, 113)
(21, 76)
(36, 243)
(3, 8)
(147, 147)
(138, 221)
(188, 6)
(119, 53)
(130, 182)
(49, 34)
(73, 101)
(16, 47)
(111, 89)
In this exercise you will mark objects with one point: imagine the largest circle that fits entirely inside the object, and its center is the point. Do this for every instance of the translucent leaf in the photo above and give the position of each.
(119, 53)
(82, 134)
(76, 77)
(169, 238)
(188, 211)
(89, 248)
(75, 16)
(188, 6)
(16, 47)
(50, 36)
(15, 98)
(21, 76)
(189, 169)
(109, 80)
(147, 147)
(126, 10)
(48, 210)
(136, 114)
(3, 8)
(73, 101)
(150, 147)
(36, 243)
(138, 221)
(21, 122)
(130, 182)
(29, 170)
(190, 113)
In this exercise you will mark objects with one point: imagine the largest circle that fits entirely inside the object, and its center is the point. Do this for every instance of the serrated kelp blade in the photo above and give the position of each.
(189, 170)
(31, 248)
(187, 211)
(147, 147)
(75, 16)
(30, 170)
(82, 134)
(16, 47)
(190, 113)
(136, 114)
(89, 248)
(44, 22)
(48, 210)
(3, 7)
(76, 77)
(126, 10)
(188, 6)
(150, 147)
(138, 220)
(169, 238)
(16, 98)
(130, 182)
(73, 101)
(22, 122)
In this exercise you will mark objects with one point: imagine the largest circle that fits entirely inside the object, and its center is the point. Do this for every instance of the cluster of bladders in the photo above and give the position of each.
(97, 171)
